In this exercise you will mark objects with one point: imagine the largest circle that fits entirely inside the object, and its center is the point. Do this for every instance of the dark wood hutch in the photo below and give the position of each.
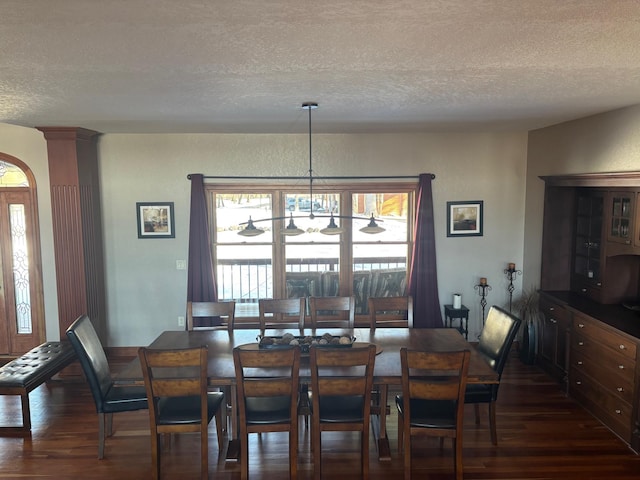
(589, 336)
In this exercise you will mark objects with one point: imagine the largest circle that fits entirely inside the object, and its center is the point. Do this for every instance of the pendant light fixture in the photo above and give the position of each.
(291, 229)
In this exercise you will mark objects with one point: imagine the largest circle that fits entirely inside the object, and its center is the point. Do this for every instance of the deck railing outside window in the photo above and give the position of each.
(246, 280)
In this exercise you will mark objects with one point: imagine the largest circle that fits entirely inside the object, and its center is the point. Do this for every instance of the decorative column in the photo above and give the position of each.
(77, 225)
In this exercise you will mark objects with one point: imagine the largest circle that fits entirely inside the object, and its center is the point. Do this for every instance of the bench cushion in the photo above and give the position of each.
(36, 366)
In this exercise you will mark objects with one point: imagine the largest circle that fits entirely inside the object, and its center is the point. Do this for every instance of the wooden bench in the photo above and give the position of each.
(22, 375)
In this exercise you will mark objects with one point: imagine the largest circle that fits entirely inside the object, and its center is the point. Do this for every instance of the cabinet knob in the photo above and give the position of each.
(581, 343)
(622, 347)
(581, 325)
(621, 367)
(618, 411)
(620, 389)
(551, 309)
(583, 290)
(578, 382)
(579, 362)
(599, 284)
(553, 320)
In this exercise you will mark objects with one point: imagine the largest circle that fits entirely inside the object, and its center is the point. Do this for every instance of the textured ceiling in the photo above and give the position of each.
(373, 66)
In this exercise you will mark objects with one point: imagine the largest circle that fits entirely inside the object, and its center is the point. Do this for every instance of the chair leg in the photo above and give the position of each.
(244, 454)
(400, 433)
(316, 445)
(406, 446)
(220, 420)
(155, 455)
(101, 434)
(204, 450)
(364, 454)
(492, 422)
(476, 407)
(293, 450)
(457, 456)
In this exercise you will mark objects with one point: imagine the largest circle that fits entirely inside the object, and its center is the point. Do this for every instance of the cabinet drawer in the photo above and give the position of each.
(608, 359)
(588, 327)
(553, 310)
(616, 383)
(608, 408)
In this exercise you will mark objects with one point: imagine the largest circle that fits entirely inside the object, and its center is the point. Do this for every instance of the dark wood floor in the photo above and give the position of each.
(541, 433)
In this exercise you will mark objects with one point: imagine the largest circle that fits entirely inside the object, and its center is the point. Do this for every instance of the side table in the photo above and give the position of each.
(461, 314)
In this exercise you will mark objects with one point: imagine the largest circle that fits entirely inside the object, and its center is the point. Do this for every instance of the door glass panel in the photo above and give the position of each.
(12, 176)
(20, 259)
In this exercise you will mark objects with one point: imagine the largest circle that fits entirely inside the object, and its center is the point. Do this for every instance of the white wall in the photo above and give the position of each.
(609, 142)
(145, 292)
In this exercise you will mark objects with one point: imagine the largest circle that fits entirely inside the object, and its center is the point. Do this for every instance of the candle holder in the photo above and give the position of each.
(483, 287)
(511, 273)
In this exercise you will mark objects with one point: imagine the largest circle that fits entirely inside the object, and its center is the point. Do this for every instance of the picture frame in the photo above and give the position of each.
(465, 219)
(155, 220)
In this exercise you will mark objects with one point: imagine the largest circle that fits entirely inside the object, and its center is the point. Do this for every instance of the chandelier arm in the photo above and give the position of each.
(286, 217)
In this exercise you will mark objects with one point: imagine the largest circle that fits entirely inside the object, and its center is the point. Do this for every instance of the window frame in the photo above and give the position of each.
(279, 208)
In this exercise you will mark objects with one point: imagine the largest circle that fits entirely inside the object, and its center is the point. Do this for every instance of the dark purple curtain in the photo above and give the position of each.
(423, 278)
(201, 285)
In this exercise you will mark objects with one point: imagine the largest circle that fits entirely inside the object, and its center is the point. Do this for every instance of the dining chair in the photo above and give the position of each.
(341, 381)
(267, 385)
(332, 312)
(496, 339)
(223, 312)
(432, 400)
(391, 312)
(108, 397)
(388, 312)
(176, 388)
(281, 313)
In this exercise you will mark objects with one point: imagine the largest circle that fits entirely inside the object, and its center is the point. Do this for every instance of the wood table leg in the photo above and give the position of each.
(233, 448)
(380, 427)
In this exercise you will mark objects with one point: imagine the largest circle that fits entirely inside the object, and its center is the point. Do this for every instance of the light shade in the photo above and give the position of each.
(291, 229)
(372, 227)
(332, 228)
(250, 230)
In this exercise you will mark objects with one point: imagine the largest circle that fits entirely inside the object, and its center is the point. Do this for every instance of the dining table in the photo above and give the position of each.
(387, 370)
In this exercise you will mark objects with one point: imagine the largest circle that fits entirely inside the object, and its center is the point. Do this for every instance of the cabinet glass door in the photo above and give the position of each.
(621, 225)
(588, 237)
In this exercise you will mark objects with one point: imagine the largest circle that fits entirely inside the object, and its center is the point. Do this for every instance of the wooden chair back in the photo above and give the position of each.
(332, 312)
(341, 381)
(223, 313)
(267, 385)
(391, 312)
(281, 313)
(432, 402)
(176, 384)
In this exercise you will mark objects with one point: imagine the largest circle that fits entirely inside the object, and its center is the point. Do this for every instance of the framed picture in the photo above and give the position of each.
(155, 220)
(464, 219)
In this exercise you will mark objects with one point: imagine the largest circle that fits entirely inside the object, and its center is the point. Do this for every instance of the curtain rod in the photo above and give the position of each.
(249, 177)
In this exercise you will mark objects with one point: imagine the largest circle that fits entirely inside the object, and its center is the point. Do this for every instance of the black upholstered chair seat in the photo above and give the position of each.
(124, 399)
(186, 410)
(341, 408)
(478, 393)
(268, 410)
(430, 413)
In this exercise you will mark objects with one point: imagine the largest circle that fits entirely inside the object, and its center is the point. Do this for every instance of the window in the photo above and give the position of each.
(273, 265)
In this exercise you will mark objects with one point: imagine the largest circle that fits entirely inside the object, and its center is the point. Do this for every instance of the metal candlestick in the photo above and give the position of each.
(511, 273)
(482, 291)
